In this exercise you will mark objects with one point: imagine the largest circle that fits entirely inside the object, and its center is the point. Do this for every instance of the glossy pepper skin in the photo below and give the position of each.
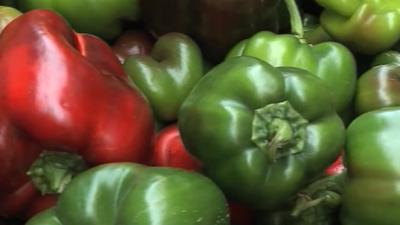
(102, 18)
(371, 195)
(379, 86)
(215, 25)
(133, 42)
(68, 93)
(169, 151)
(167, 75)
(260, 132)
(366, 26)
(330, 61)
(133, 194)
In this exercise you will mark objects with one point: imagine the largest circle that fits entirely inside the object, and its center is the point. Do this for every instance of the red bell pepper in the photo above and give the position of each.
(168, 150)
(63, 91)
(337, 167)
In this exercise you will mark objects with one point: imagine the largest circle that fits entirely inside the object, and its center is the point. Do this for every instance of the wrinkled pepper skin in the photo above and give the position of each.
(371, 193)
(168, 75)
(260, 132)
(102, 18)
(316, 204)
(330, 61)
(133, 194)
(68, 93)
(215, 25)
(365, 26)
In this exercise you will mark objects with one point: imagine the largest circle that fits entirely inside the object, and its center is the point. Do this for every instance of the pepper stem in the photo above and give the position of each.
(278, 130)
(323, 195)
(52, 171)
(283, 134)
(305, 202)
(296, 22)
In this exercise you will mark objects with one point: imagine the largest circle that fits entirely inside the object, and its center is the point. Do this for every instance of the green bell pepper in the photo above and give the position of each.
(330, 61)
(372, 194)
(215, 25)
(128, 193)
(167, 76)
(102, 18)
(314, 33)
(379, 86)
(366, 26)
(260, 132)
(388, 57)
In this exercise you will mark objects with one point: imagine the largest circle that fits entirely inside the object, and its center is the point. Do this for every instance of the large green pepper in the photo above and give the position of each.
(372, 195)
(260, 132)
(103, 18)
(215, 25)
(330, 61)
(379, 86)
(133, 194)
(167, 76)
(366, 26)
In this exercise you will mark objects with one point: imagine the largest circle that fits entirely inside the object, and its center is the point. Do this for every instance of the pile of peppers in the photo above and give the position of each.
(207, 112)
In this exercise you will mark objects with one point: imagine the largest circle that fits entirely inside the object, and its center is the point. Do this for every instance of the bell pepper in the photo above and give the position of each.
(366, 26)
(133, 42)
(314, 33)
(69, 93)
(168, 75)
(260, 132)
(7, 14)
(330, 61)
(379, 86)
(371, 193)
(102, 18)
(388, 57)
(215, 25)
(128, 193)
(337, 167)
(169, 151)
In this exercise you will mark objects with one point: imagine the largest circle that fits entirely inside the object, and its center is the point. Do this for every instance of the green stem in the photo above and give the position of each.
(321, 195)
(295, 18)
(52, 171)
(278, 130)
(283, 135)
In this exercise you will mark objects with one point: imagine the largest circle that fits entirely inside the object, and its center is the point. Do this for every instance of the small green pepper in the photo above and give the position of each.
(102, 18)
(365, 26)
(167, 76)
(330, 61)
(379, 86)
